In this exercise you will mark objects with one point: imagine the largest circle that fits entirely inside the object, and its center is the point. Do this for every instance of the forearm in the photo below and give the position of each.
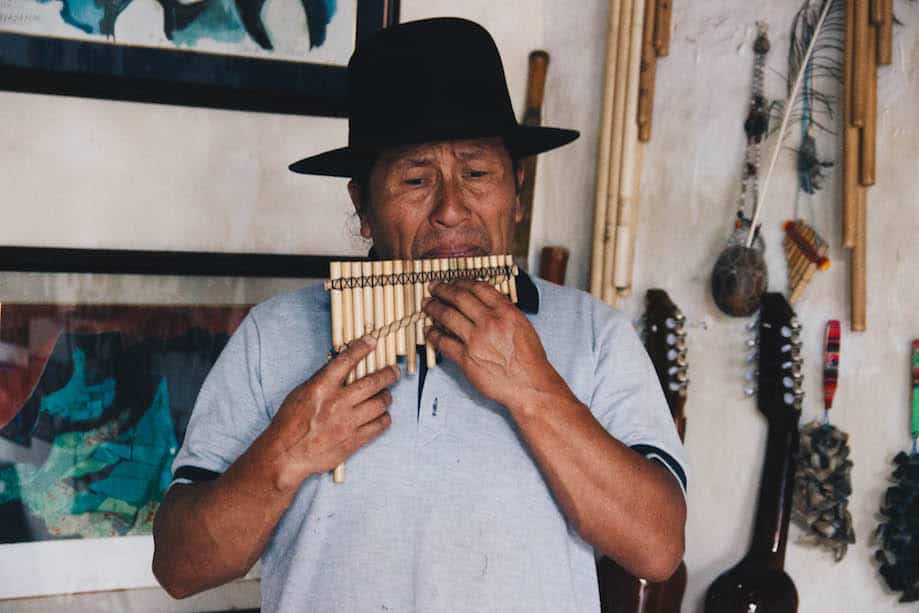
(628, 507)
(209, 533)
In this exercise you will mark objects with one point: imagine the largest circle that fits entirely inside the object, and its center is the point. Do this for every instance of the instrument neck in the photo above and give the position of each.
(775, 494)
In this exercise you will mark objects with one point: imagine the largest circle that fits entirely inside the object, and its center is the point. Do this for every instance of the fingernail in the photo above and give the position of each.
(370, 340)
(398, 371)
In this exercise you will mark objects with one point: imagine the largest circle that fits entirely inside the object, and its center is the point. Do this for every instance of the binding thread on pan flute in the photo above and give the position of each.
(384, 299)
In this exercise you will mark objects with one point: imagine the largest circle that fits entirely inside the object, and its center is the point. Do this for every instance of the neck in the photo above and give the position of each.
(775, 493)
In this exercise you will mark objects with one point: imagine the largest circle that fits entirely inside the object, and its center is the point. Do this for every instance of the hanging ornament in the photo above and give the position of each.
(898, 535)
(823, 480)
(805, 253)
(740, 277)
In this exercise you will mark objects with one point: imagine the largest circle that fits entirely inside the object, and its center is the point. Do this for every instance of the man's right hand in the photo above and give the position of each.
(323, 421)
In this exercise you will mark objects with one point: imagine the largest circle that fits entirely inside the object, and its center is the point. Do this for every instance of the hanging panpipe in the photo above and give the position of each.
(805, 253)
(384, 299)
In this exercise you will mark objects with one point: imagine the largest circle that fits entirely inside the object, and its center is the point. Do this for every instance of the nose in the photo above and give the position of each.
(450, 205)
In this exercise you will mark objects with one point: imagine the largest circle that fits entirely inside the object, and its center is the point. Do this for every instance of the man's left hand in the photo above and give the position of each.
(490, 339)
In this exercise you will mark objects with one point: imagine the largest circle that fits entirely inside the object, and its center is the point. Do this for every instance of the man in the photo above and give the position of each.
(485, 484)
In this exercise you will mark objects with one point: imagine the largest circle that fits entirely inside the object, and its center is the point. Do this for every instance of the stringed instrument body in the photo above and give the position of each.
(665, 341)
(758, 582)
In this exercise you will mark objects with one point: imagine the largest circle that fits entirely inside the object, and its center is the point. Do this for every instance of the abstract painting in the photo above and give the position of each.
(285, 56)
(315, 30)
(94, 412)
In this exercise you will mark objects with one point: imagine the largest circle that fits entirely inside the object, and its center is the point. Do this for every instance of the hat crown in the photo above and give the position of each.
(421, 81)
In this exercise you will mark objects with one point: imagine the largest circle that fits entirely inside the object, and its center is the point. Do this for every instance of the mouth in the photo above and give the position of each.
(454, 251)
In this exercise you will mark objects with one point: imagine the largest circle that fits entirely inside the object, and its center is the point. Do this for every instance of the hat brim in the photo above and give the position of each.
(522, 141)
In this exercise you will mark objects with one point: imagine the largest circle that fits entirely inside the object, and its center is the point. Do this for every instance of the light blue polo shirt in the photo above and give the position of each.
(446, 510)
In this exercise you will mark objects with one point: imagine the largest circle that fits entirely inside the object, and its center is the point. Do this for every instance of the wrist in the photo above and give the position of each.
(284, 473)
(544, 394)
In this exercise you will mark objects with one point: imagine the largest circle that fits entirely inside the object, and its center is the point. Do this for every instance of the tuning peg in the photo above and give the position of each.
(680, 345)
(786, 331)
(788, 382)
(680, 332)
(789, 398)
(751, 374)
(681, 359)
(795, 323)
(750, 391)
(753, 324)
(678, 315)
(674, 386)
(681, 377)
(752, 342)
(670, 322)
(672, 355)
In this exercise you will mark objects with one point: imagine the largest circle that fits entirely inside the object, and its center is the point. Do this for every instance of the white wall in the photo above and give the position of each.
(131, 175)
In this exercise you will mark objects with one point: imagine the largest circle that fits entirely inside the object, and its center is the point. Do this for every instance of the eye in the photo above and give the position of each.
(414, 181)
(478, 174)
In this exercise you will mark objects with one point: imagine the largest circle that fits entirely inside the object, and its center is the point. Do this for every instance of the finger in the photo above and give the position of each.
(371, 408)
(444, 343)
(484, 292)
(346, 361)
(459, 295)
(449, 318)
(368, 386)
(369, 431)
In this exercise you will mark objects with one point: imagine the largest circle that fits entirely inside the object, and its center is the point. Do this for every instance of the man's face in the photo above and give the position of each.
(442, 199)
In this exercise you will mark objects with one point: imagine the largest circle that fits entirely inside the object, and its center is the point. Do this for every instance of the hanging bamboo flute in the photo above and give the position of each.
(885, 34)
(604, 154)
(662, 16)
(623, 40)
(868, 171)
(648, 72)
(851, 137)
(631, 166)
(860, 68)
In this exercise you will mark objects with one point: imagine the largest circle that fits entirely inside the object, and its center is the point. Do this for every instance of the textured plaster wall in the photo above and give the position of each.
(93, 173)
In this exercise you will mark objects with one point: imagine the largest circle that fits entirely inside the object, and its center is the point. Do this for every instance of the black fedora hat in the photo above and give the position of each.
(424, 81)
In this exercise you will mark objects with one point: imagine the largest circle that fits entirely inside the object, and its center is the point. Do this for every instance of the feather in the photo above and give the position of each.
(815, 52)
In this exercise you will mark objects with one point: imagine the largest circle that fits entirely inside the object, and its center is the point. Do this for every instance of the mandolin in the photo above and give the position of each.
(665, 340)
(758, 582)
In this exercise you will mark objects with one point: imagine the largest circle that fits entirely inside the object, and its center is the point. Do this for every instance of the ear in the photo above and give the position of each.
(518, 184)
(357, 199)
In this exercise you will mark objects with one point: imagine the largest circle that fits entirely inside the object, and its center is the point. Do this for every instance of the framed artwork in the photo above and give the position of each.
(281, 56)
(102, 355)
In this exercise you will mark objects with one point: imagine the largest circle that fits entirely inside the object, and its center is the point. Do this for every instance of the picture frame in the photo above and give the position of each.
(133, 310)
(111, 70)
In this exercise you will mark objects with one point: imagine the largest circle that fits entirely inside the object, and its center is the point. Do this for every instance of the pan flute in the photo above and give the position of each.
(384, 298)
(806, 253)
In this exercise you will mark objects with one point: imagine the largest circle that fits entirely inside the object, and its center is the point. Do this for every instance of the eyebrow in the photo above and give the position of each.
(469, 152)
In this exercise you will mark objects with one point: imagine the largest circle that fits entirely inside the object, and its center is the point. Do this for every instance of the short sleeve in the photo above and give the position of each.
(230, 411)
(628, 401)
